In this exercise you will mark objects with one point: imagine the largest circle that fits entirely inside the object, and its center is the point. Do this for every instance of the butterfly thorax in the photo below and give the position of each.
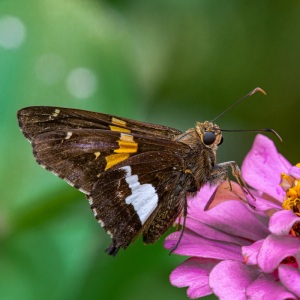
(203, 141)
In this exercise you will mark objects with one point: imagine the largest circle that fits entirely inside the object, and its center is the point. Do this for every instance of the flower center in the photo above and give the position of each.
(292, 200)
(292, 187)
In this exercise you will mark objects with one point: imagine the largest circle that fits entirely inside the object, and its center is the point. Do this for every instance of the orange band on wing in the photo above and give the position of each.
(116, 128)
(114, 159)
(126, 144)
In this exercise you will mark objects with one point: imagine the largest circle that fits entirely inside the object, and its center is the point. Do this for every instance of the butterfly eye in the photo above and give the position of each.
(209, 138)
(221, 141)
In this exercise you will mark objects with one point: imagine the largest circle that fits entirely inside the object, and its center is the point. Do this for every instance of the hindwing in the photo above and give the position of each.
(142, 195)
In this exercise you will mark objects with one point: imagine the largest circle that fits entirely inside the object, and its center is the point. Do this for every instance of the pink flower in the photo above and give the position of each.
(238, 252)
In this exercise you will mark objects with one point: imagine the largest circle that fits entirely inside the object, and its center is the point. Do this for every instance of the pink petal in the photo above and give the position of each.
(194, 245)
(204, 230)
(282, 221)
(262, 167)
(295, 172)
(266, 288)
(194, 273)
(285, 162)
(224, 193)
(263, 204)
(250, 252)
(275, 249)
(229, 279)
(231, 217)
(203, 196)
(290, 278)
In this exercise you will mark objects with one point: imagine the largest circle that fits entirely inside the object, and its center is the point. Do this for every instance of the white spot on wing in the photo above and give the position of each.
(97, 154)
(69, 134)
(101, 223)
(56, 113)
(95, 212)
(143, 196)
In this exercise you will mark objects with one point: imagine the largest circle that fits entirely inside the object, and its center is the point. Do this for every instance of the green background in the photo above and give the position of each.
(166, 62)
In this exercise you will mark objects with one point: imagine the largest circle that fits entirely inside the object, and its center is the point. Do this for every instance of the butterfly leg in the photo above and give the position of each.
(220, 173)
(182, 227)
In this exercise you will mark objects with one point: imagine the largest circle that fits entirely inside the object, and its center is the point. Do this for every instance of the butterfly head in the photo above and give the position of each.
(209, 133)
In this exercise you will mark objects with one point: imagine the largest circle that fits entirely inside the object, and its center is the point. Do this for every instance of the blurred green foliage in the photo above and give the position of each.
(169, 62)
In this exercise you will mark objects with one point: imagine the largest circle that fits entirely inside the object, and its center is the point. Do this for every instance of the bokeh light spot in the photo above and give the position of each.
(81, 83)
(12, 32)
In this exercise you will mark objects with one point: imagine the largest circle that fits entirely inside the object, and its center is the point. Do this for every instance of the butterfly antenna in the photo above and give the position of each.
(255, 130)
(258, 89)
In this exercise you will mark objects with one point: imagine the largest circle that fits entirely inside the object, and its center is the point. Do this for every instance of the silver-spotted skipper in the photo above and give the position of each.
(135, 175)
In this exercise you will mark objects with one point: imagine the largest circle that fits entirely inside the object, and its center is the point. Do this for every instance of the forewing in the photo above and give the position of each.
(79, 156)
(36, 120)
(127, 198)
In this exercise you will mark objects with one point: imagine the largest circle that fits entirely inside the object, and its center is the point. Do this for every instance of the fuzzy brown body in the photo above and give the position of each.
(136, 175)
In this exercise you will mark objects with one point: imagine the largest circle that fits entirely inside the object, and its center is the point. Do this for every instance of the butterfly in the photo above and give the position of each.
(136, 175)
